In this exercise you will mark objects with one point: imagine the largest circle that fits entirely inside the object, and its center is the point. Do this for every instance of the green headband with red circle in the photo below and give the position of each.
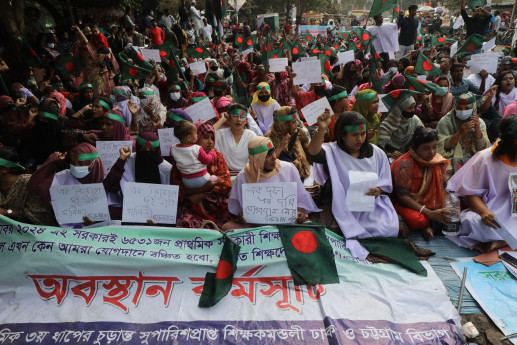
(103, 104)
(119, 92)
(145, 143)
(85, 86)
(174, 88)
(288, 117)
(85, 156)
(146, 93)
(239, 112)
(355, 128)
(48, 115)
(264, 87)
(262, 148)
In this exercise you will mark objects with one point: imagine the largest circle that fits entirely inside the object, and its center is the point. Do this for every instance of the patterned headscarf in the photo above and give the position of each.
(254, 169)
(203, 128)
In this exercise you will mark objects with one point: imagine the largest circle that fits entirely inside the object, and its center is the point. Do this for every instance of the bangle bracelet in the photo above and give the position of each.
(422, 208)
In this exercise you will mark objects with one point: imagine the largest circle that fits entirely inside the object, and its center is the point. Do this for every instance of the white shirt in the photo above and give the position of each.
(387, 37)
(206, 30)
(476, 80)
(235, 154)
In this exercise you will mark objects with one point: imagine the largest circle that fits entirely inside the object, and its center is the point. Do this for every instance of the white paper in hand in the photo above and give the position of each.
(201, 111)
(307, 72)
(312, 111)
(198, 67)
(345, 57)
(382, 106)
(109, 152)
(484, 61)
(488, 45)
(360, 183)
(454, 49)
(277, 65)
(167, 139)
(143, 201)
(270, 203)
(73, 202)
(151, 54)
(506, 235)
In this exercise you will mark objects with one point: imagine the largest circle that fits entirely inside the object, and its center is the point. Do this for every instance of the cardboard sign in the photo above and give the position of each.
(73, 202)
(277, 65)
(312, 111)
(307, 72)
(109, 152)
(270, 203)
(143, 201)
(198, 67)
(201, 111)
(167, 139)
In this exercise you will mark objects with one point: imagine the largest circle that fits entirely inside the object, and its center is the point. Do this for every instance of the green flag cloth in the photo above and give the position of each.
(395, 250)
(472, 43)
(419, 85)
(307, 37)
(329, 51)
(174, 72)
(363, 35)
(218, 284)
(396, 11)
(129, 71)
(249, 42)
(198, 52)
(397, 96)
(240, 93)
(138, 58)
(309, 254)
(166, 49)
(239, 40)
(297, 51)
(423, 31)
(68, 66)
(425, 66)
(437, 41)
(476, 3)
(381, 6)
(326, 65)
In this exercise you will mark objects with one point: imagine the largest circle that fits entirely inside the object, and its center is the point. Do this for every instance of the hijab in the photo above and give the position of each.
(397, 130)
(147, 162)
(447, 100)
(254, 169)
(96, 174)
(58, 96)
(262, 86)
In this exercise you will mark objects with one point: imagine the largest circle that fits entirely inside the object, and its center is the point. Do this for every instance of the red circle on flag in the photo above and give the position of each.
(295, 50)
(359, 45)
(336, 46)
(33, 53)
(224, 269)
(148, 144)
(327, 66)
(315, 51)
(275, 56)
(309, 38)
(140, 57)
(69, 66)
(163, 53)
(239, 39)
(269, 145)
(133, 71)
(365, 37)
(441, 39)
(328, 52)
(426, 65)
(305, 241)
(395, 93)
(249, 42)
(199, 50)
(471, 46)
(412, 88)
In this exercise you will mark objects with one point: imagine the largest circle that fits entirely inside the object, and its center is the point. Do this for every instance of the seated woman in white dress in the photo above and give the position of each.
(352, 152)
(484, 185)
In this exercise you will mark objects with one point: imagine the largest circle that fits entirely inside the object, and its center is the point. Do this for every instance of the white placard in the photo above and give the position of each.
(488, 45)
(312, 111)
(345, 57)
(307, 72)
(506, 235)
(201, 111)
(167, 139)
(486, 61)
(382, 106)
(454, 49)
(198, 67)
(143, 201)
(151, 54)
(270, 203)
(73, 202)
(421, 77)
(247, 51)
(307, 58)
(277, 65)
(109, 152)
(356, 198)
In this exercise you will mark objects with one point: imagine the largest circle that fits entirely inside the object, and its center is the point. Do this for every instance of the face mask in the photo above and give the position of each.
(79, 172)
(175, 96)
(182, 69)
(464, 114)
(467, 63)
(264, 98)
(408, 114)
(394, 70)
(214, 68)
(144, 102)
(112, 99)
(445, 88)
(51, 45)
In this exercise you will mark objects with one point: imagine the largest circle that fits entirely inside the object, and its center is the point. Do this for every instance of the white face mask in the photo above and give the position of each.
(394, 70)
(464, 114)
(445, 89)
(175, 96)
(51, 45)
(79, 172)
(144, 102)
(182, 69)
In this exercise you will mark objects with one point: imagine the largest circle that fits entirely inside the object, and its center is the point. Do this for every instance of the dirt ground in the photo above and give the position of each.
(489, 334)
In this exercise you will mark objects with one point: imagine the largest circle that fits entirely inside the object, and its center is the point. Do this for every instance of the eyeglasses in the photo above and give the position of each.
(429, 132)
(240, 116)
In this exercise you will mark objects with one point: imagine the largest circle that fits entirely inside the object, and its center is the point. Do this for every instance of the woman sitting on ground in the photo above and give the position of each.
(419, 179)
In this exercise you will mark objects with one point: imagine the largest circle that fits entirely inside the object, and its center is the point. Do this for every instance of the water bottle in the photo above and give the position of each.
(451, 203)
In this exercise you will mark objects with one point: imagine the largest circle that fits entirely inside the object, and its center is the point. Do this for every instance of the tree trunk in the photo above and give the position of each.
(12, 16)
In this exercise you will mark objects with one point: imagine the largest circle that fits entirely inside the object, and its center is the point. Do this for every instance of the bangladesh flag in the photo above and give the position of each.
(307, 37)
(69, 66)
(129, 71)
(29, 55)
(240, 92)
(297, 51)
(419, 85)
(396, 11)
(198, 52)
(472, 43)
(381, 6)
(397, 96)
(249, 42)
(309, 254)
(326, 66)
(423, 31)
(166, 50)
(239, 40)
(174, 72)
(437, 41)
(344, 35)
(395, 250)
(218, 284)
(425, 66)
(363, 35)
(138, 58)
(329, 51)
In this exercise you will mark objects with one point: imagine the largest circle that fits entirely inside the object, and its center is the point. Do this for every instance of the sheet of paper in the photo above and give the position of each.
(486, 61)
(247, 51)
(201, 111)
(345, 57)
(198, 67)
(511, 268)
(488, 45)
(454, 49)
(306, 58)
(277, 65)
(143, 201)
(307, 72)
(506, 235)
(109, 152)
(151, 54)
(167, 139)
(356, 198)
(421, 77)
(72, 203)
(270, 203)
(315, 109)
(382, 106)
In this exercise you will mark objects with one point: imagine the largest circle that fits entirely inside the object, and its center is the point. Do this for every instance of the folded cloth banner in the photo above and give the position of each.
(142, 285)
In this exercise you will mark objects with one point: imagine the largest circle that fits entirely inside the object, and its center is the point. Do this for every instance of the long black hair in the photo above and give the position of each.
(423, 136)
(352, 118)
(498, 82)
(508, 134)
(10, 154)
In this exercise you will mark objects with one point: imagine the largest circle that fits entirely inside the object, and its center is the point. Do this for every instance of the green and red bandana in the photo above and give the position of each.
(103, 104)
(119, 92)
(144, 143)
(84, 156)
(288, 117)
(146, 93)
(114, 117)
(239, 113)
(355, 128)
(6, 163)
(262, 148)
(174, 88)
(85, 86)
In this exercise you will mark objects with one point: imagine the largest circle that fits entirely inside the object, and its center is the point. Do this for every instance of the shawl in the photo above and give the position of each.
(62, 102)
(504, 100)
(372, 120)
(510, 109)
(255, 95)
(254, 170)
(447, 102)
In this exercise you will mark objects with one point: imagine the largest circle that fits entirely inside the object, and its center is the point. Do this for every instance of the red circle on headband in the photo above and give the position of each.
(463, 101)
(269, 145)
(242, 112)
(148, 144)
(361, 127)
(75, 156)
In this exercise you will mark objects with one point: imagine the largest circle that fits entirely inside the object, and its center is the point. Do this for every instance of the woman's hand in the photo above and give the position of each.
(87, 221)
(376, 192)
(324, 120)
(395, 154)
(32, 114)
(124, 152)
(60, 155)
(133, 108)
(302, 216)
(86, 108)
(20, 102)
(253, 114)
(151, 222)
(488, 218)
(149, 109)
(440, 215)
(91, 138)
